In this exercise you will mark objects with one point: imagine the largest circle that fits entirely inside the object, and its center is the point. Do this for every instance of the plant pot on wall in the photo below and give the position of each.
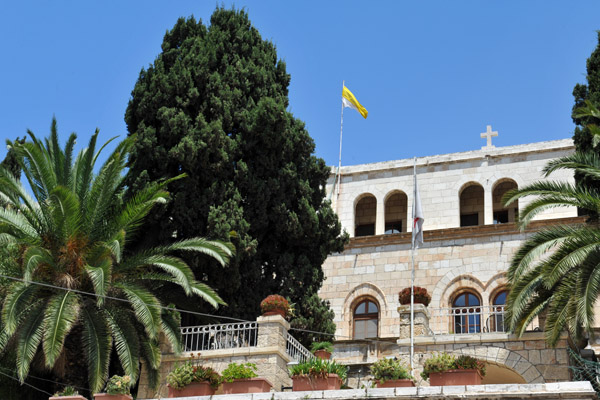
(305, 383)
(193, 389)
(251, 385)
(455, 377)
(396, 383)
(106, 396)
(74, 397)
(323, 354)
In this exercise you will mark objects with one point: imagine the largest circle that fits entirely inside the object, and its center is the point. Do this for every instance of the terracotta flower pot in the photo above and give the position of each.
(275, 312)
(323, 354)
(252, 385)
(106, 396)
(304, 383)
(193, 389)
(74, 397)
(396, 383)
(455, 377)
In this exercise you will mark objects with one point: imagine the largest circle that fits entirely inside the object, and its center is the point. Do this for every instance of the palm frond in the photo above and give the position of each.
(28, 340)
(145, 305)
(18, 296)
(60, 317)
(97, 342)
(126, 342)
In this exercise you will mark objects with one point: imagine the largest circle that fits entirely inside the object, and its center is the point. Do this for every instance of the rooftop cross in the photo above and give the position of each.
(488, 134)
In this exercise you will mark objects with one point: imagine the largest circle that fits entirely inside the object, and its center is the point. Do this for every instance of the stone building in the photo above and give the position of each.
(470, 237)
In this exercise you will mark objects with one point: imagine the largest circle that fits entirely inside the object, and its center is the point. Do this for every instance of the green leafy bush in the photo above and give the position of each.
(118, 384)
(239, 371)
(315, 367)
(327, 346)
(389, 369)
(67, 391)
(442, 362)
(188, 373)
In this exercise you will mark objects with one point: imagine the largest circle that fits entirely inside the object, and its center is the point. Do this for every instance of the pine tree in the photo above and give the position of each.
(587, 92)
(214, 105)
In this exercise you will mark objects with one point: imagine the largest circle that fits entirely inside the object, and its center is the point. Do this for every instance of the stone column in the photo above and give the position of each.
(421, 321)
(380, 218)
(488, 206)
(272, 331)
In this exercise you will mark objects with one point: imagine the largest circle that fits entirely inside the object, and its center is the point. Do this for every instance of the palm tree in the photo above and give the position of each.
(557, 270)
(72, 236)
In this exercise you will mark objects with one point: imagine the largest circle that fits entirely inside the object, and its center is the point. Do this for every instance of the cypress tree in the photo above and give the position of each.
(214, 104)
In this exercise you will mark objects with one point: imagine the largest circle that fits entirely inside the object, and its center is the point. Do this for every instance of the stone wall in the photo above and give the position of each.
(269, 355)
(441, 179)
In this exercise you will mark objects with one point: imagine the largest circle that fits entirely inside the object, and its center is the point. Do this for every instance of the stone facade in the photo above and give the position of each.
(470, 238)
(269, 355)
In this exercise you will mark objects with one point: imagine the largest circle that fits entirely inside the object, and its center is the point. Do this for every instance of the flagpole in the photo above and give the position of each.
(339, 174)
(412, 275)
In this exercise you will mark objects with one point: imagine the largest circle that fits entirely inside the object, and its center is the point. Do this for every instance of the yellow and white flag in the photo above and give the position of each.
(349, 100)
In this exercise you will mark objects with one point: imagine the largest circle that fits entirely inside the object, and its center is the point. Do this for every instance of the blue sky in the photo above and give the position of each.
(432, 74)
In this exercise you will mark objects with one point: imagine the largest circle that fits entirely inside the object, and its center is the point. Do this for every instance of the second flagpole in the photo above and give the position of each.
(412, 275)
(339, 173)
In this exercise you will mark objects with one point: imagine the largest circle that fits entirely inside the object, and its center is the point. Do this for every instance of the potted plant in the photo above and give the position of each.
(322, 350)
(275, 304)
(68, 393)
(420, 296)
(117, 388)
(318, 374)
(192, 380)
(446, 370)
(242, 378)
(390, 372)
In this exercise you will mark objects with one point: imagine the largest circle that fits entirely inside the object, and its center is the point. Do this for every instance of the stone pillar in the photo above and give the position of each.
(272, 331)
(488, 206)
(421, 321)
(380, 218)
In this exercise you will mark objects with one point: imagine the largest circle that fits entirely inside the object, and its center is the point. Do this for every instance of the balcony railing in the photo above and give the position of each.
(296, 351)
(223, 336)
(467, 320)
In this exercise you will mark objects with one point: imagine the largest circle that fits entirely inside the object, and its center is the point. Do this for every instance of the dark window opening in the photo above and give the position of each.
(393, 227)
(469, 219)
(365, 230)
(501, 217)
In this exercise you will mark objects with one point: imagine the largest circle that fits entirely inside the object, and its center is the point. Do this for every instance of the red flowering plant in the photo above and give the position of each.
(421, 296)
(276, 303)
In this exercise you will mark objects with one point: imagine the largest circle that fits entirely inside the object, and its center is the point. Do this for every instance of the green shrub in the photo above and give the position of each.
(239, 371)
(118, 384)
(188, 373)
(389, 369)
(442, 362)
(327, 346)
(67, 391)
(315, 367)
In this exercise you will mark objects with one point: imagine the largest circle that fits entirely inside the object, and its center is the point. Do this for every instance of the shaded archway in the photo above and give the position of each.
(365, 214)
(396, 212)
(504, 214)
(471, 204)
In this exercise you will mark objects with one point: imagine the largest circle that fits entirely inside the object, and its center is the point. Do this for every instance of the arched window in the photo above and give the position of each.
(471, 205)
(466, 309)
(364, 216)
(366, 319)
(504, 214)
(497, 315)
(396, 213)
